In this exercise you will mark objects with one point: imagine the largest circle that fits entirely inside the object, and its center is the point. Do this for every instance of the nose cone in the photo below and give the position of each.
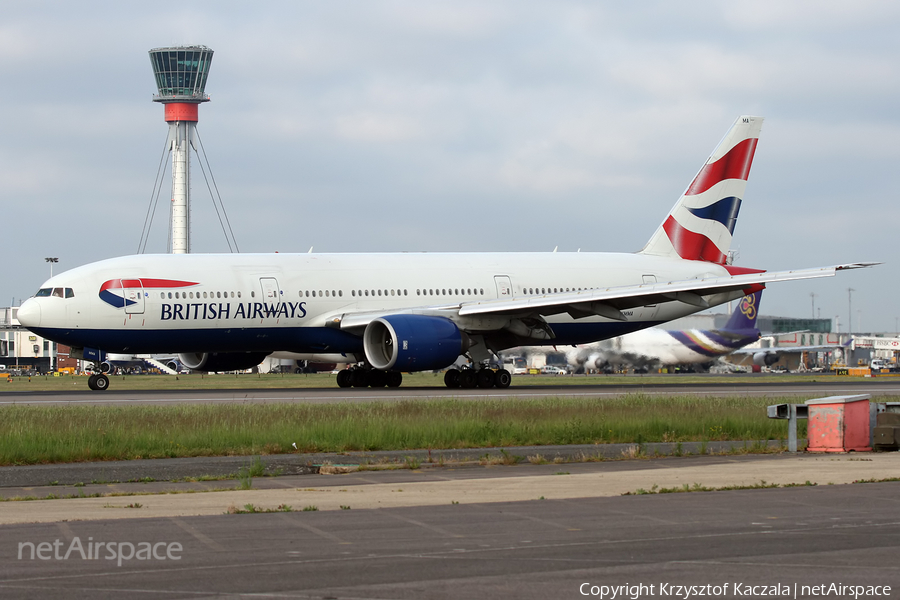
(29, 314)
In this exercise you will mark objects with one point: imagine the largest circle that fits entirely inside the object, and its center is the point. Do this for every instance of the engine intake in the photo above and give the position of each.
(413, 343)
(766, 359)
(211, 362)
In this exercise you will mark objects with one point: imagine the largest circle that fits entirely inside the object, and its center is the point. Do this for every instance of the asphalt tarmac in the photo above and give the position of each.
(527, 531)
(828, 386)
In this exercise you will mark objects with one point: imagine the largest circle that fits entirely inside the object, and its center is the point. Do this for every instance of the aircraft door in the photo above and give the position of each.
(270, 290)
(504, 286)
(133, 292)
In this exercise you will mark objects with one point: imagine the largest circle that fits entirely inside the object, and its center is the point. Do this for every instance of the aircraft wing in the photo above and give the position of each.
(789, 349)
(605, 302)
(609, 302)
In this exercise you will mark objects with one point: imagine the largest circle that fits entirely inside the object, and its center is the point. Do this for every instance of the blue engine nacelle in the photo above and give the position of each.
(413, 343)
(212, 362)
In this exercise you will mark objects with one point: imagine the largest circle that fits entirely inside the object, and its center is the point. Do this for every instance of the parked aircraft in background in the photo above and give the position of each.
(766, 356)
(656, 347)
(409, 312)
(166, 364)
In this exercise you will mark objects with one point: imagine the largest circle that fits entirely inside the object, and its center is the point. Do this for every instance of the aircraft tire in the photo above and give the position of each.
(394, 379)
(502, 379)
(358, 378)
(485, 378)
(92, 382)
(467, 379)
(451, 379)
(101, 384)
(376, 378)
(343, 378)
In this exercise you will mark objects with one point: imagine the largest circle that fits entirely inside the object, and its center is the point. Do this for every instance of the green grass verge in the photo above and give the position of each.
(32, 434)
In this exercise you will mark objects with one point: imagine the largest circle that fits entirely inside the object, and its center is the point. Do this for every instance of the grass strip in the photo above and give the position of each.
(31, 434)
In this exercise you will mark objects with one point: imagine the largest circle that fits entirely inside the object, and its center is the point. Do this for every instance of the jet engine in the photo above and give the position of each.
(413, 343)
(221, 361)
(765, 359)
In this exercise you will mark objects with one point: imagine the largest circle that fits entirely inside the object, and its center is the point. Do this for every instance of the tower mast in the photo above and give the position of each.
(181, 73)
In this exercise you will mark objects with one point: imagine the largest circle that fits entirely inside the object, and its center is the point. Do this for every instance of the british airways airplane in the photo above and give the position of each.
(390, 313)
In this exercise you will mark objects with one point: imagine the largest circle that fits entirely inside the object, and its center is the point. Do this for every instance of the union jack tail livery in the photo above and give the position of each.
(701, 224)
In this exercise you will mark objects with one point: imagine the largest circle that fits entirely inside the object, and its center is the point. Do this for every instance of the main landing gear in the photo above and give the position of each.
(470, 378)
(98, 382)
(359, 377)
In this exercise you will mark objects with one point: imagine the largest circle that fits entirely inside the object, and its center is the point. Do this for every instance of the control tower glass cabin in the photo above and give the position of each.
(181, 74)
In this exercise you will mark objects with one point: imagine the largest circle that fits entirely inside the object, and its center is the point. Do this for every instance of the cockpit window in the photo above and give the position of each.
(43, 292)
(70, 293)
(57, 292)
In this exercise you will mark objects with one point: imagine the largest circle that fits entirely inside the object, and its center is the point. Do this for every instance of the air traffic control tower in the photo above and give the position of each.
(181, 74)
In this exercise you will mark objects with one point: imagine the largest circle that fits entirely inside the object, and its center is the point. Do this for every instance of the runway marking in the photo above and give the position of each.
(424, 525)
(779, 565)
(321, 532)
(66, 531)
(203, 538)
(539, 520)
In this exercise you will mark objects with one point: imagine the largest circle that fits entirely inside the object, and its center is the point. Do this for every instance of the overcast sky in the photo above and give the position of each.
(461, 126)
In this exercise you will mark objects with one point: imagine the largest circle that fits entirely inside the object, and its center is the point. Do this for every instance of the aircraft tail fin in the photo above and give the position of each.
(701, 224)
(744, 315)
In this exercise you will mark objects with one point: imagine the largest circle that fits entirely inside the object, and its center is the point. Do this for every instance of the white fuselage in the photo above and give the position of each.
(294, 302)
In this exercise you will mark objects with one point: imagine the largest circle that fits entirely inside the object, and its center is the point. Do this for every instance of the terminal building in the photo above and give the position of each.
(22, 350)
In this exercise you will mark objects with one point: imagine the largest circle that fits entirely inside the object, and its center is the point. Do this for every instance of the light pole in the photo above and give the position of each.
(51, 260)
(850, 309)
(813, 296)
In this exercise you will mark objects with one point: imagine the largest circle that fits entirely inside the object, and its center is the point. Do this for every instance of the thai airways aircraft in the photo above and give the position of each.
(766, 356)
(409, 312)
(655, 347)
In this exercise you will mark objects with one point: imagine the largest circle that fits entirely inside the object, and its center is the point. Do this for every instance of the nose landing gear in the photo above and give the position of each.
(98, 382)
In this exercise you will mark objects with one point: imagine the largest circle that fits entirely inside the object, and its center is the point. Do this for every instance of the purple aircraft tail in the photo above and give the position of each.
(744, 316)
